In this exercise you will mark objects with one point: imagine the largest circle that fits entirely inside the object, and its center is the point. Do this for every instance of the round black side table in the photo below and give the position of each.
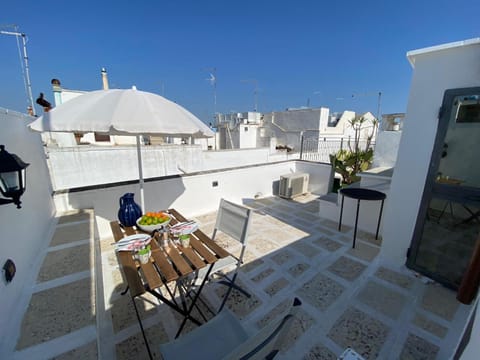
(361, 194)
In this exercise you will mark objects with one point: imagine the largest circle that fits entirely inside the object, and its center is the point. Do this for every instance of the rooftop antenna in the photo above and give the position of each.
(255, 91)
(213, 82)
(25, 67)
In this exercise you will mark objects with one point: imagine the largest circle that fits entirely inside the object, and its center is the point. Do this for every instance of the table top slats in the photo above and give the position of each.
(151, 275)
(131, 274)
(183, 267)
(130, 230)
(116, 231)
(164, 265)
(200, 248)
(196, 261)
(177, 215)
(219, 251)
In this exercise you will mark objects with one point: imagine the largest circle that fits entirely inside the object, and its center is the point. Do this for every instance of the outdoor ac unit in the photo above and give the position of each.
(292, 185)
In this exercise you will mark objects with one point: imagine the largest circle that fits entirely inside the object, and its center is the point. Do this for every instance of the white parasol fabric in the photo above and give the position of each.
(123, 112)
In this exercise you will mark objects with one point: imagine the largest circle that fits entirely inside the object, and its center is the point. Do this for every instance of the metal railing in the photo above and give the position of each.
(314, 148)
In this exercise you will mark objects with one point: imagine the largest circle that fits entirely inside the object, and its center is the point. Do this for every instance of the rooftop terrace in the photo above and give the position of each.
(74, 309)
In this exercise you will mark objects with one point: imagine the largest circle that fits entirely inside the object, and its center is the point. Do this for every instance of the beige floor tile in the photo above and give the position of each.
(71, 233)
(65, 262)
(85, 352)
(58, 311)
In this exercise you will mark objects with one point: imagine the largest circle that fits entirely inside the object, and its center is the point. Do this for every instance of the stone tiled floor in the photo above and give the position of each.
(350, 298)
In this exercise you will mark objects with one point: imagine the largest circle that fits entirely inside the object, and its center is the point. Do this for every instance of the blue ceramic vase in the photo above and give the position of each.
(129, 211)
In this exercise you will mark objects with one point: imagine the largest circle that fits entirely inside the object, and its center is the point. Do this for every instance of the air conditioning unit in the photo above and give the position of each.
(292, 185)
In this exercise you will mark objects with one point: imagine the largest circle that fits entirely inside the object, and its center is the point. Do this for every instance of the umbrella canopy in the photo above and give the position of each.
(123, 112)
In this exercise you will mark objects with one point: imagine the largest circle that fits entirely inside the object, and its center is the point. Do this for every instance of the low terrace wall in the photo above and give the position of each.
(193, 194)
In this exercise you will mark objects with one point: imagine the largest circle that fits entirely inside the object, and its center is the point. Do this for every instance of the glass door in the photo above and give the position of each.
(448, 222)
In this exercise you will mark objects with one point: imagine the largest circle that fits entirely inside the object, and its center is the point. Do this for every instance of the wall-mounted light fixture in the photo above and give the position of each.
(12, 177)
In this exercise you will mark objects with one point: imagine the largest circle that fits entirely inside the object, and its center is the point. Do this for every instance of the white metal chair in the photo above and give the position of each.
(234, 221)
(224, 337)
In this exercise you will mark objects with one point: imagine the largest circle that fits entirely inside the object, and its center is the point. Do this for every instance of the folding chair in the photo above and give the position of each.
(234, 221)
(224, 337)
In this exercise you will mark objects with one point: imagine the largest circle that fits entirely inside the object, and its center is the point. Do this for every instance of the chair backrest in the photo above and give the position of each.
(233, 220)
(266, 343)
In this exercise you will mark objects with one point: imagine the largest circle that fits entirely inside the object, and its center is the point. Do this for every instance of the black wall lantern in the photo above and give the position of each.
(12, 177)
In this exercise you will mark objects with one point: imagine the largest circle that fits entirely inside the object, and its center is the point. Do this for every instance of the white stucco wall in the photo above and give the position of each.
(91, 165)
(24, 230)
(386, 148)
(248, 136)
(195, 194)
(435, 70)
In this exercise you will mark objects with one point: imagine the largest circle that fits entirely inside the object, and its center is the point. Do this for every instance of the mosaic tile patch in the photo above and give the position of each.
(304, 224)
(346, 239)
(359, 331)
(251, 265)
(276, 286)
(302, 322)
(430, 326)
(324, 231)
(363, 251)
(333, 225)
(327, 244)
(88, 351)
(305, 249)
(311, 218)
(298, 269)
(382, 299)
(275, 313)
(71, 233)
(416, 348)
(282, 256)
(320, 291)
(347, 268)
(312, 206)
(66, 262)
(262, 275)
(394, 277)
(320, 352)
(123, 312)
(237, 302)
(440, 301)
(368, 236)
(134, 346)
(75, 216)
(263, 246)
(58, 311)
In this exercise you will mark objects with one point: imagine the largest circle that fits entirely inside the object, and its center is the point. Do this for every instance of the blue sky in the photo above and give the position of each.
(300, 52)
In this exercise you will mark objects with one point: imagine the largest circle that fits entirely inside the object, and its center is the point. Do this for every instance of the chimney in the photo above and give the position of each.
(104, 79)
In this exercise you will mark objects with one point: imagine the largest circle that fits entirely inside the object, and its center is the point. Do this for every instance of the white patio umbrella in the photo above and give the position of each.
(123, 112)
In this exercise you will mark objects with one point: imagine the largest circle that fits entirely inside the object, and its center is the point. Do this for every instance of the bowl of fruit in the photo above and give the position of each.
(153, 221)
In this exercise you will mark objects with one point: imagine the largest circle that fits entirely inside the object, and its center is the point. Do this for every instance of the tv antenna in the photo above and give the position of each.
(213, 82)
(24, 64)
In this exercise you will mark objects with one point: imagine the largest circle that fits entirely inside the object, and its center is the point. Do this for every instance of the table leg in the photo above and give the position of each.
(356, 223)
(341, 214)
(141, 328)
(192, 305)
(379, 219)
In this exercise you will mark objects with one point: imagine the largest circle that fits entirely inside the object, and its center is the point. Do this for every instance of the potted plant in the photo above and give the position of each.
(349, 162)
(143, 254)
(185, 240)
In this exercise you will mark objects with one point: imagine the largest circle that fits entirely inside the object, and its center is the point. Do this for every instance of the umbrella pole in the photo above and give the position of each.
(140, 174)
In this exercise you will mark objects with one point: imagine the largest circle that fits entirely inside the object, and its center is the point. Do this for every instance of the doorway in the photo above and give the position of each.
(448, 222)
